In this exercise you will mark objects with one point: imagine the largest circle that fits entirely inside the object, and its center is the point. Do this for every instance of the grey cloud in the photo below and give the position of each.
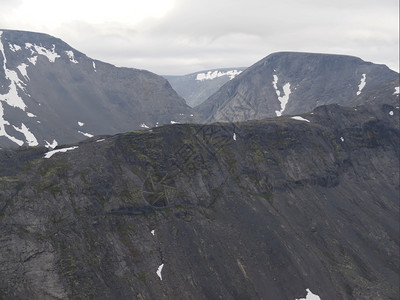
(197, 35)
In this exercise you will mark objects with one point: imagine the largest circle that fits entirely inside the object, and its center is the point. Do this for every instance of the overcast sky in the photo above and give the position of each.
(183, 36)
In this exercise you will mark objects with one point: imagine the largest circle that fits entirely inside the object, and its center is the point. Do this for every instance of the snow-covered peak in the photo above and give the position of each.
(215, 74)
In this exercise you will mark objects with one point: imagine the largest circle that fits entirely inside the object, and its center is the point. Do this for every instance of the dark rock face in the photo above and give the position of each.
(261, 209)
(195, 88)
(290, 83)
(50, 91)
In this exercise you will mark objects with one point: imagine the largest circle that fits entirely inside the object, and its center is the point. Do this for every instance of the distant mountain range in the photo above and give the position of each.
(195, 88)
(287, 83)
(52, 94)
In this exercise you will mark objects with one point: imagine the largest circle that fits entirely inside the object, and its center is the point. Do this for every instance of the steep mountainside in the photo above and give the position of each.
(291, 83)
(261, 209)
(387, 93)
(195, 88)
(50, 92)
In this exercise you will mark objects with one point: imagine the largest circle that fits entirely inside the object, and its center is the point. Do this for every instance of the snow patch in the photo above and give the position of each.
(22, 69)
(33, 60)
(284, 99)
(3, 130)
(14, 48)
(94, 66)
(396, 90)
(11, 97)
(362, 83)
(50, 54)
(30, 138)
(391, 113)
(342, 139)
(81, 124)
(52, 145)
(310, 296)
(71, 56)
(210, 75)
(299, 118)
(234, 136)
(52, 152)
(100, 140)
(144, 125)
(172, 122)
(274, 84)
(152, 232)
(86, 134)
(159, 270)
(31, 115)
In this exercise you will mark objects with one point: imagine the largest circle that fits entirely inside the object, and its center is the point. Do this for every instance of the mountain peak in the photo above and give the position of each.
(293, 82)
(46, 87)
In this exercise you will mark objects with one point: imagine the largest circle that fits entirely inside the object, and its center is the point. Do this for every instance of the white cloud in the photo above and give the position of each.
(183, 36)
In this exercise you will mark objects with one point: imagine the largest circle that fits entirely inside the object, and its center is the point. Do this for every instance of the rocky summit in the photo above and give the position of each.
(51, 93)
(287, 83)
(269, 209)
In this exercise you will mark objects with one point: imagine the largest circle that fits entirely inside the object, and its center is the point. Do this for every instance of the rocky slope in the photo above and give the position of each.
(195, 88)
(50, 92)
(291, 83)
(261, 209)
(387, 93)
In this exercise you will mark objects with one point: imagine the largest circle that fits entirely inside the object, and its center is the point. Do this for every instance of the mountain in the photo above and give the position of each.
(291, 83)
(51, 93)
(195, 88)
(272, 209)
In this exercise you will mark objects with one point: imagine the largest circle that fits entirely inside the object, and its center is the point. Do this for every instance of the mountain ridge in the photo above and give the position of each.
(172, 212)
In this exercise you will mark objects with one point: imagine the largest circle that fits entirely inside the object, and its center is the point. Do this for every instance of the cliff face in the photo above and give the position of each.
(261, 209)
